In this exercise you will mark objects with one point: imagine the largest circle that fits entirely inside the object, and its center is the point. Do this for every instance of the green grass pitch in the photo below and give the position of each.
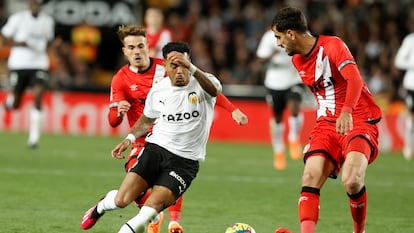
(48, 189)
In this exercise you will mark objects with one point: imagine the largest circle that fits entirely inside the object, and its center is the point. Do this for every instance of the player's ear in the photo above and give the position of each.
(291, 34)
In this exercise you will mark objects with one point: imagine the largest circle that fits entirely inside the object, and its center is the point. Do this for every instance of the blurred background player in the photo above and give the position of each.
(345, 136)
(142, 72)
(29, 32)
(404, 60)
(284, 92)
(157, 33)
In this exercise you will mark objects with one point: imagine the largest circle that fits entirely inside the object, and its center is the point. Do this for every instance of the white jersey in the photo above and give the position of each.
(36, 32)
(405, 60)
(184, 117)
(280, 73)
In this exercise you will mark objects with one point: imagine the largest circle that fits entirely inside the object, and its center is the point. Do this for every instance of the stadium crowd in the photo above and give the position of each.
(224, 36)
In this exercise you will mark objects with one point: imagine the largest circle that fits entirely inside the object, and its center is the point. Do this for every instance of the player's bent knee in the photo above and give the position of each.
(121, 202)
(352, 184)
(309, 179)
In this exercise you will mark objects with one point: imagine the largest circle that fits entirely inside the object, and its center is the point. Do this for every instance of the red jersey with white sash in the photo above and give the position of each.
(320, 71)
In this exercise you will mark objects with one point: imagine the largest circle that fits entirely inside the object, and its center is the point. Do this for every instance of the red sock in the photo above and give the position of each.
(175, 210)
(141, 200)
(358, 205)
(308, 209)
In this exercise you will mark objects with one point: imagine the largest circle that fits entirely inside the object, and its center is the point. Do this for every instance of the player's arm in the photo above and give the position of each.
(117, 98)
(238, 116)
(117, 111)
(140, 128)
(8, 41)
(208, 82)
(355, 84)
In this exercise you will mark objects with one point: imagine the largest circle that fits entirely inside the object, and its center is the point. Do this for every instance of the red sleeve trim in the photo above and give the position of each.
(113, 118)
(225, 103)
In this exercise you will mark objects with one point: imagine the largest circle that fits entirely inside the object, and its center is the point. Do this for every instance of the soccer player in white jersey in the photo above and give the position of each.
(404, 60)
(29, 33)
(183, 108)
(284, 91)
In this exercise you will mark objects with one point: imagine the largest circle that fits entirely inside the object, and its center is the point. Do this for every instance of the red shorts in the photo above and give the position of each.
(134, 153)
(325, 141)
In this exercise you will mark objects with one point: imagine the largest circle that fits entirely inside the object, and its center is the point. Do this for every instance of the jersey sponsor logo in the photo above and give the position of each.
(179, 179)
(192, 97)
(98, 13)
(181, 116)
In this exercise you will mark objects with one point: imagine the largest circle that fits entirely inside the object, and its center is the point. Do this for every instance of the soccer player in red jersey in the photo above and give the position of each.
(346, 134)
(129, 89)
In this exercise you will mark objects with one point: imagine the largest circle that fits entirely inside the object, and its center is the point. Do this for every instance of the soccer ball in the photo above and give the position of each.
(240, 228)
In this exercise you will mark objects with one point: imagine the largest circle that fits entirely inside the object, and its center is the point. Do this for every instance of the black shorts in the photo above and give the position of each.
(409, 100)
(21, 79)
(279, 98)
(159, 166)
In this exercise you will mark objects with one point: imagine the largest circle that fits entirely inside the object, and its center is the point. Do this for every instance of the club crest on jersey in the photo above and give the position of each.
(192, 97)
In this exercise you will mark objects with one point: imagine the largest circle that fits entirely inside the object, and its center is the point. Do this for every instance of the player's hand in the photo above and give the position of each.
(121, 147)
(123, 107)
(180, 59)
(239, 117)
(344, 123)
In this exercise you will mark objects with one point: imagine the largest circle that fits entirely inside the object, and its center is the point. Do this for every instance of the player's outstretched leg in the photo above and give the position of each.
(175, 213)
(279, 159)
(139, 223)
(295, 148)
(95, 212)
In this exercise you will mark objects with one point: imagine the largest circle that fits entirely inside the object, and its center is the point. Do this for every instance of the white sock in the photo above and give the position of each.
(36, 117)
(408, 139)
(9, 100)
(156, 219)
(140, 222)
(108, 203)
(277, 130)
(295, 124)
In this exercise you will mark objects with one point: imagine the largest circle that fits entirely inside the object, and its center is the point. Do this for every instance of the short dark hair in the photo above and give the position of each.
(178, 46)
(290, 18)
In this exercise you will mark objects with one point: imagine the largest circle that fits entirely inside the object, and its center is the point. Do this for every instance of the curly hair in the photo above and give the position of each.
(290, 18)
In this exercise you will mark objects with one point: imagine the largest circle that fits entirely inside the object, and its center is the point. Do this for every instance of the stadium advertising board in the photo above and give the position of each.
(85, 113)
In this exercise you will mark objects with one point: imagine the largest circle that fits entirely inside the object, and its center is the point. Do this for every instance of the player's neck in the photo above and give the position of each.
(308, 43)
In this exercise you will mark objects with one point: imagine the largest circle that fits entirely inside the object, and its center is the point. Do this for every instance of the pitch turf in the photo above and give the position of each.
(48, 189)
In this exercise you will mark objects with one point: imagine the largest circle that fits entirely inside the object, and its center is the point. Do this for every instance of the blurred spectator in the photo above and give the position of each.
(157, 33)
(219, 29)
(85, 40)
